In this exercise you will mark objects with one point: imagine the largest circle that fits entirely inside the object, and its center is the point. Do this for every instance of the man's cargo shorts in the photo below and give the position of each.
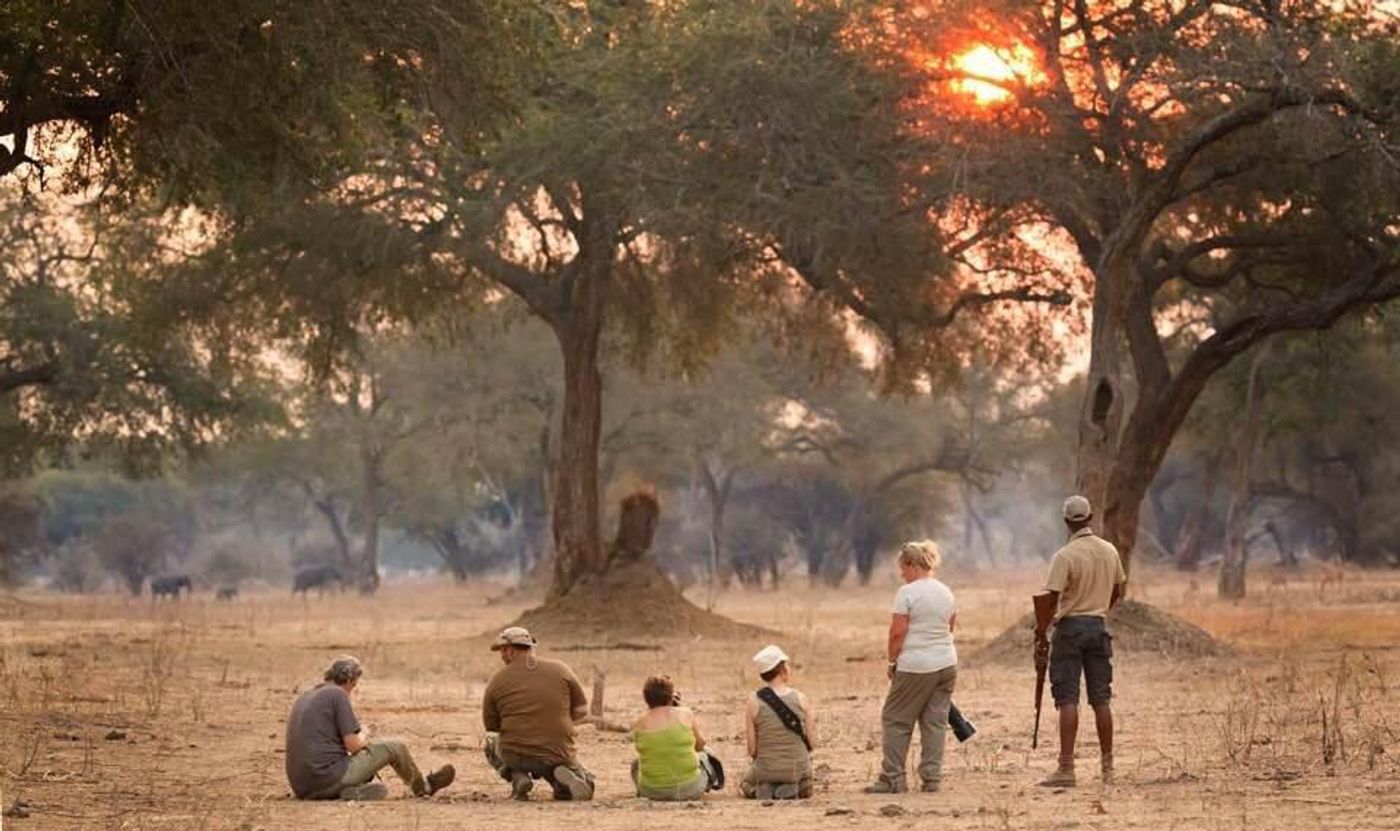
(1081, 644)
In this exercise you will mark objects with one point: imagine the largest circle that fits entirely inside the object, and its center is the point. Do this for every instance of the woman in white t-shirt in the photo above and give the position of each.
(923, 669)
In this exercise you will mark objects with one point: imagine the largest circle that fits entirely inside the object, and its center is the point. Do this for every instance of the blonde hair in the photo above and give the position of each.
(920, 554)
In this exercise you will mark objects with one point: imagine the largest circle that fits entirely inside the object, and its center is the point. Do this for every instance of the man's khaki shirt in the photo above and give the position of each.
(1084, 572)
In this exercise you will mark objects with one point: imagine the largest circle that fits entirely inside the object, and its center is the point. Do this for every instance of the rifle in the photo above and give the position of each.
(1044, 604)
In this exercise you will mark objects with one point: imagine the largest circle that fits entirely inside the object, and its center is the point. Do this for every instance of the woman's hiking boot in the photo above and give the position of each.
(883, 785)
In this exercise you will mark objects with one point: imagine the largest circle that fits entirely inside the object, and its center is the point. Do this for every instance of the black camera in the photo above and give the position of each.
(962, 728)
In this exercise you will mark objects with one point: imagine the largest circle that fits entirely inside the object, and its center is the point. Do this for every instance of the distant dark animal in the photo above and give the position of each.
(170, 584)
(319, 578)
(226, 593)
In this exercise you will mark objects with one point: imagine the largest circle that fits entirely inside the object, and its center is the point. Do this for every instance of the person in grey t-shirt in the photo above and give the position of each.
(923, 668)
(330, 756)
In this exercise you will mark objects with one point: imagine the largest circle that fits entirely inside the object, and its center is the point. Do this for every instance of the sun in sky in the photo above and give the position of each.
(990, 73)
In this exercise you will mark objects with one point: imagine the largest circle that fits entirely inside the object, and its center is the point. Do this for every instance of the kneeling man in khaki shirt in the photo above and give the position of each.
(529, 711)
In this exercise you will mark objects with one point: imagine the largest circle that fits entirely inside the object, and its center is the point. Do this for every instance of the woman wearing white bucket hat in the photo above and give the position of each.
(778, 731)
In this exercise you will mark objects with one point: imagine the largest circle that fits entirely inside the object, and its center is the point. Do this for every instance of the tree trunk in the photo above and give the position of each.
(1232, 567)
(717, 492)
(449, 548)
(865, 541)
(372, 508)
(578, 546)
(1188, 548)
(1101, 413)
(326, 508)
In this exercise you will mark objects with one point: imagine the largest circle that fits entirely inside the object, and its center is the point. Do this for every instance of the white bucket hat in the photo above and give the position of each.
(768, 657)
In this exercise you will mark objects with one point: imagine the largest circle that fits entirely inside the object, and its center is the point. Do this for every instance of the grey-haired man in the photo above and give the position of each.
(330, 756)
(1086, 579)
(529, 710)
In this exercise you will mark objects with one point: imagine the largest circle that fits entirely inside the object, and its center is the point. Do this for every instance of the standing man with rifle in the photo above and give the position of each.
(1086, 580)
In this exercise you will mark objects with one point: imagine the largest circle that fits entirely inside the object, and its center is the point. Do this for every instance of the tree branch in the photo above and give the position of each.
(1155, 424)
(1177, 262)
(13, 379)
(921, 316)
(951, 458)
(539, 294)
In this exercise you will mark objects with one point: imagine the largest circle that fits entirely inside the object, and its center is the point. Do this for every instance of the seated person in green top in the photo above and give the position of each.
(671, 762)
(778, 742)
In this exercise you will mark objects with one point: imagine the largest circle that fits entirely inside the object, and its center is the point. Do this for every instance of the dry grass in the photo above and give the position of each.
(117, 713)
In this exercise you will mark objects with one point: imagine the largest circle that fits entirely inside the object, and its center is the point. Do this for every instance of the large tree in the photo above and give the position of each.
(115, 116)
(1218, 173)
(602, 210)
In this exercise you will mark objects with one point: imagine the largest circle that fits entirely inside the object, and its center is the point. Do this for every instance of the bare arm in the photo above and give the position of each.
(695, 728)
(1117, 594)
(899, 629)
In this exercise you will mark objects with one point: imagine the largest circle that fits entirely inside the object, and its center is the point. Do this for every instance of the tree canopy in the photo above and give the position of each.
(1218, 173)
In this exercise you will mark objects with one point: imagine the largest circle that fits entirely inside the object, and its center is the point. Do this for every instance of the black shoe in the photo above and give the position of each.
(520, 786)
(440, 778)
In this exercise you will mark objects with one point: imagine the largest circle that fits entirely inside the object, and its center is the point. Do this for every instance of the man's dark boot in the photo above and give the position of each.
(520, 785)
(576, 786)
(440, 778)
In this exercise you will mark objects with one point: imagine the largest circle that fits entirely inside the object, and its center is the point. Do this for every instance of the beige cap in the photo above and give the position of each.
(1077, 508)
(768, 657)
(514, 636)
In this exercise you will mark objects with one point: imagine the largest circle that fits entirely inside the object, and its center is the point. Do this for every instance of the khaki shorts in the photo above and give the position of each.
(1081, 646)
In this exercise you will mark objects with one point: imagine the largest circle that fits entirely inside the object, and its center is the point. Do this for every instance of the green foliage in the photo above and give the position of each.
(78, 505)
(249, 101)
(1327, 441)
(94, 357)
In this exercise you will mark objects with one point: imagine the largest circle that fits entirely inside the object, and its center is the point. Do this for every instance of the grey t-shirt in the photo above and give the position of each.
(316, 729)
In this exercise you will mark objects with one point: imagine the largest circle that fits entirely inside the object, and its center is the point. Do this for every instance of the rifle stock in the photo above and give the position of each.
(1044, 604)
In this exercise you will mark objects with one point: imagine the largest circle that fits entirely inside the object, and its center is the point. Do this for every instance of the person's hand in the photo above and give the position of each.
(889, 671)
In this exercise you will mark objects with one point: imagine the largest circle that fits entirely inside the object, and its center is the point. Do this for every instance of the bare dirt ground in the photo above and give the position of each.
(123, 714)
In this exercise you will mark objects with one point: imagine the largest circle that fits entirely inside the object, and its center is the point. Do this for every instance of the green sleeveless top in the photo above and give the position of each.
(666, 757)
